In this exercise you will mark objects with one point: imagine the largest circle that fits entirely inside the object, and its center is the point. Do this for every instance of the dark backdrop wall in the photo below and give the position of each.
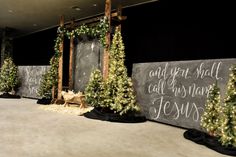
(168, 30)
(34, 49)
(178, 30)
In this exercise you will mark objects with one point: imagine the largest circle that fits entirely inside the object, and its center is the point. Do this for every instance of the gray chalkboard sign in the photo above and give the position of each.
(30, 77)
(88, 55)
(175, 92)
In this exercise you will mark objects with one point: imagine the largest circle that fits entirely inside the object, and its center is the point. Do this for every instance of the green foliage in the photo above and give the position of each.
(118, 94)
(8, 75)
(228, 127)
(210, 119)
(45, 86)
(49, 79)
(94, 89)
(97, 31)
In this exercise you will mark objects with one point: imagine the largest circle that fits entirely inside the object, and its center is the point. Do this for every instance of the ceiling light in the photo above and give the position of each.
(10, 11)
(94, 5)
(76, 8)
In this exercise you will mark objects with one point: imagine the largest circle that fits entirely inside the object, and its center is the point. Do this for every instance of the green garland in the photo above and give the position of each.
(51, 77)
(97, 31)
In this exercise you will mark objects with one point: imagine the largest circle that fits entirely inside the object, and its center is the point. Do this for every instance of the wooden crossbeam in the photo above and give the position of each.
(71, 58)
(108, 40)
(60, 67)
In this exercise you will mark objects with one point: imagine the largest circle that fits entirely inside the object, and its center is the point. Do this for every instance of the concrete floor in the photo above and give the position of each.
(27, 131)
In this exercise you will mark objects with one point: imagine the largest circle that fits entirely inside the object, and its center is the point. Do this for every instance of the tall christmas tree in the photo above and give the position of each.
(228, 127)
(94, 89)
(210, 119)
(8, 76)
(118, 94)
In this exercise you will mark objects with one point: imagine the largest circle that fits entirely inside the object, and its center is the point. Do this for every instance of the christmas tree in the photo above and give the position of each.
(8, 76)
(210, 119)
(45, 86)
(118, 94)
(49, 79)
(228, 127)
(94, 89)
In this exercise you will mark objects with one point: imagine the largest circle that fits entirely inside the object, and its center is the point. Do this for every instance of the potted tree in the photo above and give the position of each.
(9, 79)
(50, 79)
(114, 99)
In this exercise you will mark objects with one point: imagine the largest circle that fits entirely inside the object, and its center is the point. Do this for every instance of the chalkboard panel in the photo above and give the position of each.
(175, 92)
(30, 77)
(88, 55)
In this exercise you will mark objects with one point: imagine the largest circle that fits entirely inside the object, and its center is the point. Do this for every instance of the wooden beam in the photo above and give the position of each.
(106, 49)
(60, 67)
(117, 17)
(71, 59)
(88, 21)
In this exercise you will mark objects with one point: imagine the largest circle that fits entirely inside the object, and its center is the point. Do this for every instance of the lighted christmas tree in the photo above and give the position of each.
(8, 76)
(94, 89)
(210, 119)
(228, 127)
(118, 94)
(45, 86)
(49, 79)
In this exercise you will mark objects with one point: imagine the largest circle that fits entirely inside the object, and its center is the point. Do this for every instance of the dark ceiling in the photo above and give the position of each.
(22, 17)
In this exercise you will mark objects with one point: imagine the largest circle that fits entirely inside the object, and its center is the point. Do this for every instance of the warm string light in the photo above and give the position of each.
(117, 94)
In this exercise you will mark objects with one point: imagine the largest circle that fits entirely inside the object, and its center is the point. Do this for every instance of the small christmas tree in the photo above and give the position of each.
(45, 86)
(8, 76)
(50, 79)
(94, 89)
(118, 94)
(228, 127)
(210, 119)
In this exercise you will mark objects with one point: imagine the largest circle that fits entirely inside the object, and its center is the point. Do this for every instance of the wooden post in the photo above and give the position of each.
(53, 88)
(60, 67)
(118, 17)
(71, 58)
(53, 92)
(106, 49)
(119, 14)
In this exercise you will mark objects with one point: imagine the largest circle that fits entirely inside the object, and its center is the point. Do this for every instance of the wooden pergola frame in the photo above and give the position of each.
(109, 15)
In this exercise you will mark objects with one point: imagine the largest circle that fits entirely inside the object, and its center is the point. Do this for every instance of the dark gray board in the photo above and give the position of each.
(30, 77)
(175, 92)
(88, 55)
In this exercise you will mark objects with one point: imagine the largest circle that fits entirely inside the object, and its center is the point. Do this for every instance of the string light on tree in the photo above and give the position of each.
(228, 127)
(94, 89)
(119, 93)
(210, 118)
